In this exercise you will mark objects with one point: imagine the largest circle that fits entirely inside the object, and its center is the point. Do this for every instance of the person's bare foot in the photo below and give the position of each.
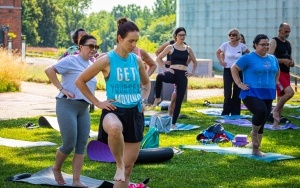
(173, 126)
(257, 153)
(58, 176)
(156, 102)
(120, 174)
(79, 184)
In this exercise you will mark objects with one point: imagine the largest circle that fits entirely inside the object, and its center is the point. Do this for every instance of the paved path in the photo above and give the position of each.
(39, 99)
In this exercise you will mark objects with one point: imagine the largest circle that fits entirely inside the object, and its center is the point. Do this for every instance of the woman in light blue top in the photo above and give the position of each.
(258, 88)
(72, 107)
(127, 89)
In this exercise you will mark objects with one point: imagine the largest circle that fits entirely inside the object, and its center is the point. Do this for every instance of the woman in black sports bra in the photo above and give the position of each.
(177, 73)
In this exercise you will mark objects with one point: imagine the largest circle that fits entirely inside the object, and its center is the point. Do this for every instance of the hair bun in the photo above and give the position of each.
(122, 21)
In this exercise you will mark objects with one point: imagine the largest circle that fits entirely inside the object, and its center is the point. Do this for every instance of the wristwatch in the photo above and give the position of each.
(145, 101)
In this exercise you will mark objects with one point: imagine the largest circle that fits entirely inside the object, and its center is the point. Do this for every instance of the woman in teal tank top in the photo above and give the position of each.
(127, 89)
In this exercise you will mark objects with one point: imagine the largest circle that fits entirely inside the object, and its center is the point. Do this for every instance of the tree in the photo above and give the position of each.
(164, 7)
(48, 27)
(160, 30)
(31, 15)
(72, 15)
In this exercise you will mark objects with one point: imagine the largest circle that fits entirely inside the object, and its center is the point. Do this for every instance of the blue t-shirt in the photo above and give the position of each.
(260, 74)
(70, 68)
(123, 83)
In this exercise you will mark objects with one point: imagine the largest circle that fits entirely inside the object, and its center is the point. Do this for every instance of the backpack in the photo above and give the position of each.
(151, 139)
(162, 123)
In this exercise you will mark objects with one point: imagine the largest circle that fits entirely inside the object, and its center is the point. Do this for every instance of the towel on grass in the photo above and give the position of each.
(243, 152)
(22, 143)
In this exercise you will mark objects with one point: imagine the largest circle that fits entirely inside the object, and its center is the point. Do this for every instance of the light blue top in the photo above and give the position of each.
(123, 83)
(260, 74)
(70, 68)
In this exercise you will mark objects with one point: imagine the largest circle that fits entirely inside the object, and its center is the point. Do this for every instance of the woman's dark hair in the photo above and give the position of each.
(242, 36)
(178, 30)
(84, 38)
(258, 38)
(125, 26)
(75, 35)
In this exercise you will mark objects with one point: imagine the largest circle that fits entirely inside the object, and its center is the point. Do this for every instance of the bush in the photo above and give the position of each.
(11, 71)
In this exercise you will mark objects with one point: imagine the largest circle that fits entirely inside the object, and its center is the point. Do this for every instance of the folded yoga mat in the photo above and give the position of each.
(244, 152)
(21, 143)
(46, 177)
(247, 123)
(50, 121)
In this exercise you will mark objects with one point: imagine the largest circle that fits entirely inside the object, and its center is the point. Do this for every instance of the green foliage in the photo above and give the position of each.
(164, 7)
(31, 16)
(161, 29)
(48, 27)
(145, 44)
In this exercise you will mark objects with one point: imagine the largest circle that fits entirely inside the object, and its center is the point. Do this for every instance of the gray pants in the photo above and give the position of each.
(74, 123)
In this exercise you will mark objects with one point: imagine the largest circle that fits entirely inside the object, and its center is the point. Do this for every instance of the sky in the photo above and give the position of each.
(108, 5)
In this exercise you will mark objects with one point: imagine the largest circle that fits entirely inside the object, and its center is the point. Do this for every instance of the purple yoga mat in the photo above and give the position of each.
(99, 151)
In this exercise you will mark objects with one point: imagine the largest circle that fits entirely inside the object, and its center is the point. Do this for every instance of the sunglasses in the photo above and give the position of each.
(92, 46)
(264, 45)
(232, 35)
(182, 35)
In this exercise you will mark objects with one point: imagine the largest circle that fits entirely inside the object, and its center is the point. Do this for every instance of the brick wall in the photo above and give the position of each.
(10, 15)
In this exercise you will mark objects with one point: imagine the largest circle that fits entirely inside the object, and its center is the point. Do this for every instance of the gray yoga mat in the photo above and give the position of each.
(22, 143)
(46, 177)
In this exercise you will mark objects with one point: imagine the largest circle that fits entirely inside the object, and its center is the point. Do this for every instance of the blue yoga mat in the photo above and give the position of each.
(247, 123)
(179, 126)
(243, 152)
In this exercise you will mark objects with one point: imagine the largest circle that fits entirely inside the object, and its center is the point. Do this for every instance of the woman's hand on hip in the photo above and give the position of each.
(107, 105)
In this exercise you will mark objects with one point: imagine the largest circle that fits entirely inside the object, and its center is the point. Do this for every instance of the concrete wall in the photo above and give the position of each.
(10, 15)
(208, 21)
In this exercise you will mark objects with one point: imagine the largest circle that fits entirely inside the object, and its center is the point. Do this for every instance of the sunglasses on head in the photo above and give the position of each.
(92, 46)
(232, 35)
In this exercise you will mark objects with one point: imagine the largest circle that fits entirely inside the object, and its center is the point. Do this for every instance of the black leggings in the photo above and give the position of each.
(181, 82)
(232, 101)
(260, 108)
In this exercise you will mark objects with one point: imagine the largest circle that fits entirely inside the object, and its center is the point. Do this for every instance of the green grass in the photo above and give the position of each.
(190, 169)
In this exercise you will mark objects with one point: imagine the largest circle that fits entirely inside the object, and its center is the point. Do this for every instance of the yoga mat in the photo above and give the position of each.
(211, 111)
(184, 127)
(180, 126)
(99, 151)
(247, 123)
(50, 121)
(21, 143)
(244, 152)
(287, 105)
(218, 112)
(243, 107)
(297, 117)
(46, 177)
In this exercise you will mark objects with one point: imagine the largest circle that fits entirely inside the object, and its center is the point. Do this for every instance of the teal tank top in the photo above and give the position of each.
(123, 82)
